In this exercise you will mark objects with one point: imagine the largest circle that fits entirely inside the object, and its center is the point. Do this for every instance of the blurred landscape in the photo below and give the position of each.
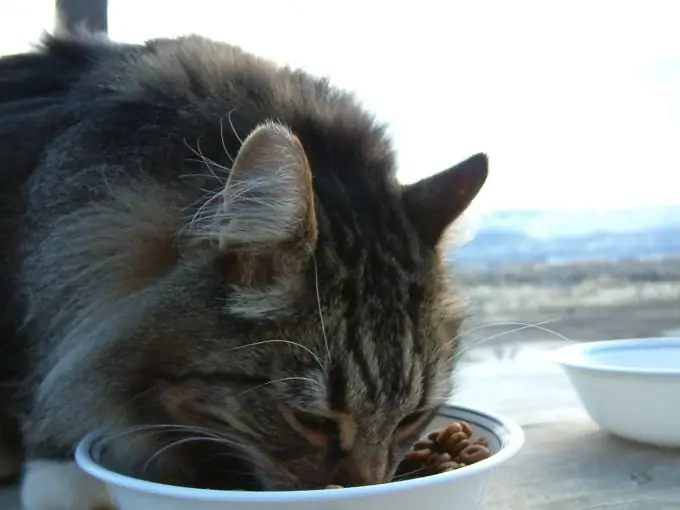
(583, 276)
(573, 236)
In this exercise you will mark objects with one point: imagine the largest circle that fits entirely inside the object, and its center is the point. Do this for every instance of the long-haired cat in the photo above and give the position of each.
(216, 251)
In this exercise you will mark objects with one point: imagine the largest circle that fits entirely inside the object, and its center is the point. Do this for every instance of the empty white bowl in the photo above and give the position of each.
(630, 388)
(462, 489)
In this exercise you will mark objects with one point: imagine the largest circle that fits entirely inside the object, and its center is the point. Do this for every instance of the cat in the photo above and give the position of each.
(193, 236)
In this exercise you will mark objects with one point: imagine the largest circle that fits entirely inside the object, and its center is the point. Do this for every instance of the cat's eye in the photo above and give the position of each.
(412, 419)
(315, 423)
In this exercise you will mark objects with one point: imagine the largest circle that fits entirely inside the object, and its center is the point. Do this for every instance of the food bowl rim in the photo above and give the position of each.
(588, 361)
(513, 438)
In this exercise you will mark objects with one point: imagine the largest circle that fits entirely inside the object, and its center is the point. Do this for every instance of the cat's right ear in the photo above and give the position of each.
(435, 202)
(268, 201)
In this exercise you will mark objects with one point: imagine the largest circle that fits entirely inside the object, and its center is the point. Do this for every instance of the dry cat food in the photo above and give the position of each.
(450, 448)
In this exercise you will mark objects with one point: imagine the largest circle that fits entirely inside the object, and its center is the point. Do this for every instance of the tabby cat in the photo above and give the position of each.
(213, 251)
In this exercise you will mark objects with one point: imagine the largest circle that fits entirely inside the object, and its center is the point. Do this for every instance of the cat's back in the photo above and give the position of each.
(81, 116)
(159, 103)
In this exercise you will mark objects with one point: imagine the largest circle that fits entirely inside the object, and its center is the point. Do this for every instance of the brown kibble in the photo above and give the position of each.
(423, 444)
(453, 430)
(419, 455)
(450, 466)
(454, 442)
(455, 449)
(483, 442)
(414, 462)
(474, 453)
(466, 428)
(439, 458)
(450, 448)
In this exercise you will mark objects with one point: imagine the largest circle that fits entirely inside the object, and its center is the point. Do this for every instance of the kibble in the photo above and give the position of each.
(448, 449)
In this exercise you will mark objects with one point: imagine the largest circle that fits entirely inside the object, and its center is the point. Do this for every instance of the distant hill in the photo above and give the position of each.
(559, 237)
(574, 223)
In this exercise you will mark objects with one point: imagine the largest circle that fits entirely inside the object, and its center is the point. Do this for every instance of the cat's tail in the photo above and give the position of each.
(35, 87)
(44, 76)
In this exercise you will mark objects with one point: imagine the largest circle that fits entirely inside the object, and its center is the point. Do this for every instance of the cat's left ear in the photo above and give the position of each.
(268, 201)
(267, 223)
(434, 203)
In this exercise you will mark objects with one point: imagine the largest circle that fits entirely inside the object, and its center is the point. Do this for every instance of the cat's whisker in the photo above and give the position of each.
(159, 429)
(198, 215)
(213, 165)
(234, 454)
(188, 176)
(195, 429)
(206, 209)
(289, 342)
(318, 302)
(256, 459)
(132, 401)
(217, 216)
(523, 326)
(268, 383)
(179, 442)
(201, 205)
(210, 164)
(502, 323)
(207, 194)
(224, 145)
(240, 450)
(403, 476)
(233, 129)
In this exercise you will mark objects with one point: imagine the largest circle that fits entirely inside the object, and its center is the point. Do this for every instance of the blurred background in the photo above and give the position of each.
(576, 103)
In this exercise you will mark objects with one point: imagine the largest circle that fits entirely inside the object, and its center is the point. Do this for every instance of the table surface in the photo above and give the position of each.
(567, 463)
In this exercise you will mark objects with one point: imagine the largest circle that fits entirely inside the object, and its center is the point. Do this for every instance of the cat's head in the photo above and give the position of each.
(333, 341)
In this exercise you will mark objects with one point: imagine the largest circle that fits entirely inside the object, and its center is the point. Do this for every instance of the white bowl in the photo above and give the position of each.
(630, 388)
(462, 489)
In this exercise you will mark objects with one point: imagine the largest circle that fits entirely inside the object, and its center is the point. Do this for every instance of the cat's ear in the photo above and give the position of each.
(435, 202)
(268, 201)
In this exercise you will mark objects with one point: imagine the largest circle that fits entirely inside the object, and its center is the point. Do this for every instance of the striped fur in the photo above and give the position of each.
(194, 236)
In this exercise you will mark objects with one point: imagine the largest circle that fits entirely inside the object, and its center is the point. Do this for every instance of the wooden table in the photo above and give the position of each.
(567, 463)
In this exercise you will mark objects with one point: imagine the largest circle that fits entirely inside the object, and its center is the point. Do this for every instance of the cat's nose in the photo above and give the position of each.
(371, 475)
(353, 474)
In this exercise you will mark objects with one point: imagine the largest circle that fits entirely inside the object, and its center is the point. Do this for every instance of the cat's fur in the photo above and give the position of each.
(286, 293)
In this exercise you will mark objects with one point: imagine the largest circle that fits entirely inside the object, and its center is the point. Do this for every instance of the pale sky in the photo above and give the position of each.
(576, 102)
